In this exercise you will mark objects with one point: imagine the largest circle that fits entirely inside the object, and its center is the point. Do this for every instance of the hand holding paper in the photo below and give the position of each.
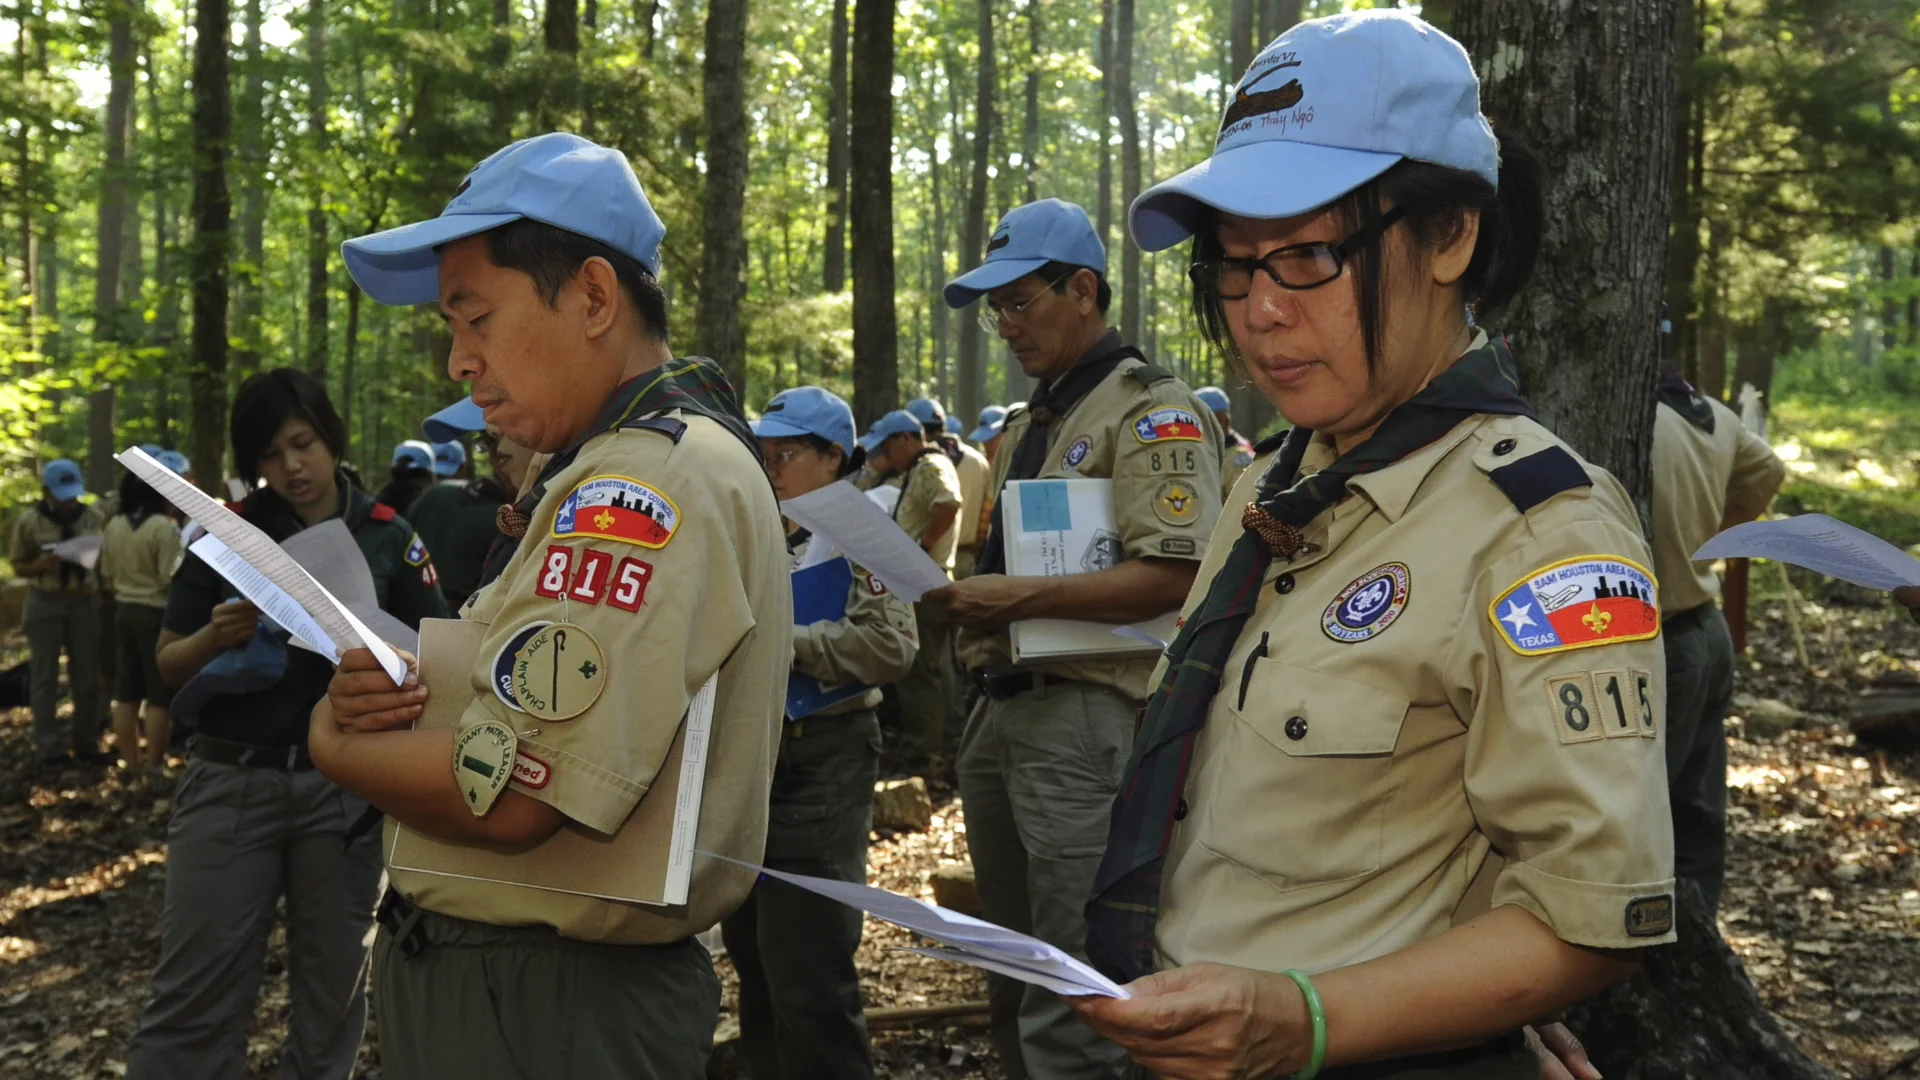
(1818, 543)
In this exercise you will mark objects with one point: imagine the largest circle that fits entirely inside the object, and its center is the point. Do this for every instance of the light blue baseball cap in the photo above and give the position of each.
(414, 454)
(175, 460)
(1028, 238)
(563, 180)
(460, 418)
(808, 410)
(897, 422)
(1330, 105)
(955, 427)
(153, 449)
(448, 457)
(992, 419)
(927, 411)
(1214, 398)
(64, 482)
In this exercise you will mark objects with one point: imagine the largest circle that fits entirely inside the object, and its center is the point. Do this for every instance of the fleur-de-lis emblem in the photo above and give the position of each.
(1597, 620)
(588, 670)
(604, 520)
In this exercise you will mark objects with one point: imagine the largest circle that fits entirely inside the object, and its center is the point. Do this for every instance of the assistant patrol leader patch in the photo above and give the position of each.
(1168, 424)
(617, 508)
(1369, 604)
(1578, 603)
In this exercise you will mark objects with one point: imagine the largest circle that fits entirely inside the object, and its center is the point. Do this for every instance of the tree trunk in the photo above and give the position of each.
(1103, 129)
(723, 266)
(562, 26)
(937, 257)
(1890, 306)
(212, 211)
(351, 356)
(1753, 366)
(319, 336)
(499, 51)
(1683, 250)
(1252, 413)
(250, 119)
(972, 377)
(1712, 338)
(1240, 44)
(1276, 18)
(24, 20)
(115, 189)
(1030, 133)
(1127, 110)
(1592, 88)
(876, 371)
(833, 271)
(1913, 298)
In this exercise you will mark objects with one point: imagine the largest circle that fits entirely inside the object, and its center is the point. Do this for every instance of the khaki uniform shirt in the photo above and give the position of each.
(1234, 461)
(874, 644)
(975, 504)
(932, 482)
(1699, 480)
(689, 579)
(1380, 740)
(136, 565)
(32, 532)
(1165, 495)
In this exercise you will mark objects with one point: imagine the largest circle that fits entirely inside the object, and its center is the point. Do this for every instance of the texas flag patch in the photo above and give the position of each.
(1171, 424)
(617, 508)
(1578, 603)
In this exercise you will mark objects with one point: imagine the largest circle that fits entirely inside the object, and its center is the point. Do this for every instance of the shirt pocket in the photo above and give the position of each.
(1299, 782)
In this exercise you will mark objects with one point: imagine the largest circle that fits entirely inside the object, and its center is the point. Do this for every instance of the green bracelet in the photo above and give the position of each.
(1319, 1014)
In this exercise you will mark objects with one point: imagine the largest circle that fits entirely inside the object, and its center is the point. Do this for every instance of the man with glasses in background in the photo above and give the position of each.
(1045, 747)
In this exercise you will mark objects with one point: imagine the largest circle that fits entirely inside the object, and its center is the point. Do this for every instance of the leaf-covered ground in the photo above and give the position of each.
(1823, 900)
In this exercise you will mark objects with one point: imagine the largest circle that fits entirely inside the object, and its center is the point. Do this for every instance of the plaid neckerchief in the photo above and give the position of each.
(1125, 907)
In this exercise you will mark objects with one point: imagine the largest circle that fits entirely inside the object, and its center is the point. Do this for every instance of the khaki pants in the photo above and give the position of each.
(484, 1002)
(800, 1008)
(70, 621)
(239, 841)
(1038, 775)
(1699, 693)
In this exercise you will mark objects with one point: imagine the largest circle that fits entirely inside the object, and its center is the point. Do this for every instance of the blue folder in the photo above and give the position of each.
(820, 595)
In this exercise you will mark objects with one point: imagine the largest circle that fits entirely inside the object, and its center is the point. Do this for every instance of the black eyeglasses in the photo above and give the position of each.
(991, 318)
(1296, 266)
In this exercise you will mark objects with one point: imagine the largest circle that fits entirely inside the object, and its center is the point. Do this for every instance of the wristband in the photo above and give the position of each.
(1319, 1014)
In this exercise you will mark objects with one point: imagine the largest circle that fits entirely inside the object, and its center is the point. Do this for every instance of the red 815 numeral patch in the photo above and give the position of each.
(590, 577)
(630, 584)
(555, 571)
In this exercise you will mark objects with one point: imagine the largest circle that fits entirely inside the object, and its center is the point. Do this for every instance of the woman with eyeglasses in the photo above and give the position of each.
(1399, 790)
(800, 1006)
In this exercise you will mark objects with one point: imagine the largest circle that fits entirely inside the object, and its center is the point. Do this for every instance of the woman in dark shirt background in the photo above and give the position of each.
(252, 822)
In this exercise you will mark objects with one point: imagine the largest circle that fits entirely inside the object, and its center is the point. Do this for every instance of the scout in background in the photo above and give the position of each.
(449, 460)
(252, 823)
(137, 560)
(1236, 453)
(974, 471)
(650, 549)
(1041, 759)
(1709, 474)
(61, 613)
(800, 1007)
(1432, 627)
(458, 519)
(993, 420)
(410, 475)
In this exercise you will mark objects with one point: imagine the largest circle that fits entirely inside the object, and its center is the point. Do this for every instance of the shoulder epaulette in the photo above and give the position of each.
(382, 512)
(1540, 476)
(664, 425)
(1148, 375)
(1271, 443)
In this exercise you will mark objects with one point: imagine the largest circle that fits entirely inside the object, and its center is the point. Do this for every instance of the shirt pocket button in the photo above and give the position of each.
(1296, 728)
(1283, 584)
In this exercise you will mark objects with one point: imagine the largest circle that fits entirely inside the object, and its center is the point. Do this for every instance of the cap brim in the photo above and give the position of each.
(1271, 179)
(774, 427)
(457, 419)
(983, 433)
(987, 277)
(63, 492)
(400, 267)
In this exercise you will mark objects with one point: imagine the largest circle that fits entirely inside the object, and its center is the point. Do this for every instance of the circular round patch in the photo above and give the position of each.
(1076, 453)
(1369, 604)
(559, 673)
(483, 762)
(1176, 503)
(503, 663)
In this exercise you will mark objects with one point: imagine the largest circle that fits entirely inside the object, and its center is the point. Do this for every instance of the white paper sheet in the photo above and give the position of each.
(339, 625)
(968, 940)
(271, 599)
(846, 518)
(1056, 528)
(693, 779)
(82, 551)
(329, 552)
(1818, 543)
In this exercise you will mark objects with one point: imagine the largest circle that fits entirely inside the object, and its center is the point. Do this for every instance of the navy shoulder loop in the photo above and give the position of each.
(1147, 374)
(1271, 443)
(1540, 476)
(665, 425)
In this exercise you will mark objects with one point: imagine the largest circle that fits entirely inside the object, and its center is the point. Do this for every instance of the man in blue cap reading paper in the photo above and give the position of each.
(533, 916)
(60, 612)
(1041, 758)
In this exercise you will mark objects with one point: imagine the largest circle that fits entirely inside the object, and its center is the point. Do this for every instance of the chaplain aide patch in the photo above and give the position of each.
(1578, 603)
(1169, 424)
(1369, 604)
(617, 508)
(416, 551)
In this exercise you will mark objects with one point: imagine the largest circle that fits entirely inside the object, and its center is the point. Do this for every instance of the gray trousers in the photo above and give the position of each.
(1699, 693)
(1038, 775)
(801, 1014)
(56, 621)
(240, 840)
(483, 1002)
(927, 693)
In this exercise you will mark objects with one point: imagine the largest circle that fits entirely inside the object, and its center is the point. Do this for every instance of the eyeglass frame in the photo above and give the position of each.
(991, 319)
(1340, 252)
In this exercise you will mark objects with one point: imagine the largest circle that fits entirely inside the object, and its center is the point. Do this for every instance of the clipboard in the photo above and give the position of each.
(820, 595)
(650, 861)
(1060, 527)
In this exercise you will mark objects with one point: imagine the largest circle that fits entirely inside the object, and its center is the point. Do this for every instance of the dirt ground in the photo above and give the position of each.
(1823, 898)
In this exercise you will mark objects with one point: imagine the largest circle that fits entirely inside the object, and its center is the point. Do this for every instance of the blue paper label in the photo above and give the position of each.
(1044, 507)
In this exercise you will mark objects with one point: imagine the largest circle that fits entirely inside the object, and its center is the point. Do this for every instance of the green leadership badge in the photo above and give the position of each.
(558, 673)
(483, 762)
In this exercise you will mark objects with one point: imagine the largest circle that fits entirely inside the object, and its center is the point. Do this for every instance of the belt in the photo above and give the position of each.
(402, 920)
(1013, 684)
(291, 758)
